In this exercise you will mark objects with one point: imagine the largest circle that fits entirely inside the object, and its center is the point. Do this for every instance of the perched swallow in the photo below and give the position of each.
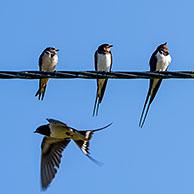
(57, 135)
(159, 61)
(47, 62)
(103, 62)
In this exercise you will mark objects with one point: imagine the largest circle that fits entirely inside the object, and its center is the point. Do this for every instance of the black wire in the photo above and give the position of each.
(95, 75)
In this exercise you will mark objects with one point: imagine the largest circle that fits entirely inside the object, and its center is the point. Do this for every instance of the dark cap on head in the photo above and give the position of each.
(104, 47)
(44, 130)
(163, 48)
(52, 49)
(164, 45)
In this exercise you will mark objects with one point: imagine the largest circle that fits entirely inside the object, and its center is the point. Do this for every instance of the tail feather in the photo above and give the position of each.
(150, 96)
(84, 144)
(97, 162)
(142, 121)
(43, 92)
(96, 106)
(37, 93)
(42, 89)
(88, 133)
(40, 93)
(99, 94)
(155, 90)
(102, 89)
(142, 114)
(99, 129)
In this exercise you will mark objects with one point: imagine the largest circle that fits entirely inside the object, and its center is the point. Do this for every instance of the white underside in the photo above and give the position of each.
(104, 62)
(49, 63)
(162, 64)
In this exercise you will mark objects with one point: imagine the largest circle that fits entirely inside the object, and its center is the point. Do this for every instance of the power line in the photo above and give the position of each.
(95, 75)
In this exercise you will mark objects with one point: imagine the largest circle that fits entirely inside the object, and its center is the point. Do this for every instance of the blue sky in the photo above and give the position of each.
(158, 158)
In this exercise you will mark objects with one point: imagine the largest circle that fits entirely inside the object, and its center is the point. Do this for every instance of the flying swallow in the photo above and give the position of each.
(57, 135)
(103, 62)
(159, 61)
(47, 62)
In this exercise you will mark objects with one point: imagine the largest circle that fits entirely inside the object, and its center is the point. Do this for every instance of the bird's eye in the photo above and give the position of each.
(68, 134)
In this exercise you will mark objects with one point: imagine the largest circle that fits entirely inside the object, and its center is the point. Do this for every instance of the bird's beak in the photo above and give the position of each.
(35, 131)
(165, 43)
(110, 45)
(57, 49)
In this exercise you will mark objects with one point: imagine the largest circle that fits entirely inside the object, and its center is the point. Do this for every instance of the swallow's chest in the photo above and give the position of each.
(104, 62)
(49, 62)
(162, 62)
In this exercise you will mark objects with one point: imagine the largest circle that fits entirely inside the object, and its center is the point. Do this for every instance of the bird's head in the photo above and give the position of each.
(105, 48)
(43, 130)
(51, 50)
(163, 49)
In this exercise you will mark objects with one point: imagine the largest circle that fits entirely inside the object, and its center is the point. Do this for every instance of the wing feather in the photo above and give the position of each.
(51, 158)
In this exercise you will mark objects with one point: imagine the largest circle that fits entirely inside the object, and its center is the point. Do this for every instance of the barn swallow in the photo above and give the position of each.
(57, 135)
(103, 62)
(159, 61)
(47, 62)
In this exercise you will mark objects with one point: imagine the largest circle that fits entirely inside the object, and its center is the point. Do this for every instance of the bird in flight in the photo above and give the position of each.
(57, 136)
(103, 62)
(47, 62)
(159, 61)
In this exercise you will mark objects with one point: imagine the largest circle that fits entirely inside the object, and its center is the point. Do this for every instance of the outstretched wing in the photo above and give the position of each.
(50, 160)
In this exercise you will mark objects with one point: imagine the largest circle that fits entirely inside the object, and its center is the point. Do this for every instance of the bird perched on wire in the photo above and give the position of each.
(103, 62)
(47, 62)
(57, 135)
(159, 61)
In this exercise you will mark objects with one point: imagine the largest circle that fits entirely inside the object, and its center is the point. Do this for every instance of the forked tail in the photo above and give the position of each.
(42, 89)
(153, 88)
(84, 145)
(143, 116)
